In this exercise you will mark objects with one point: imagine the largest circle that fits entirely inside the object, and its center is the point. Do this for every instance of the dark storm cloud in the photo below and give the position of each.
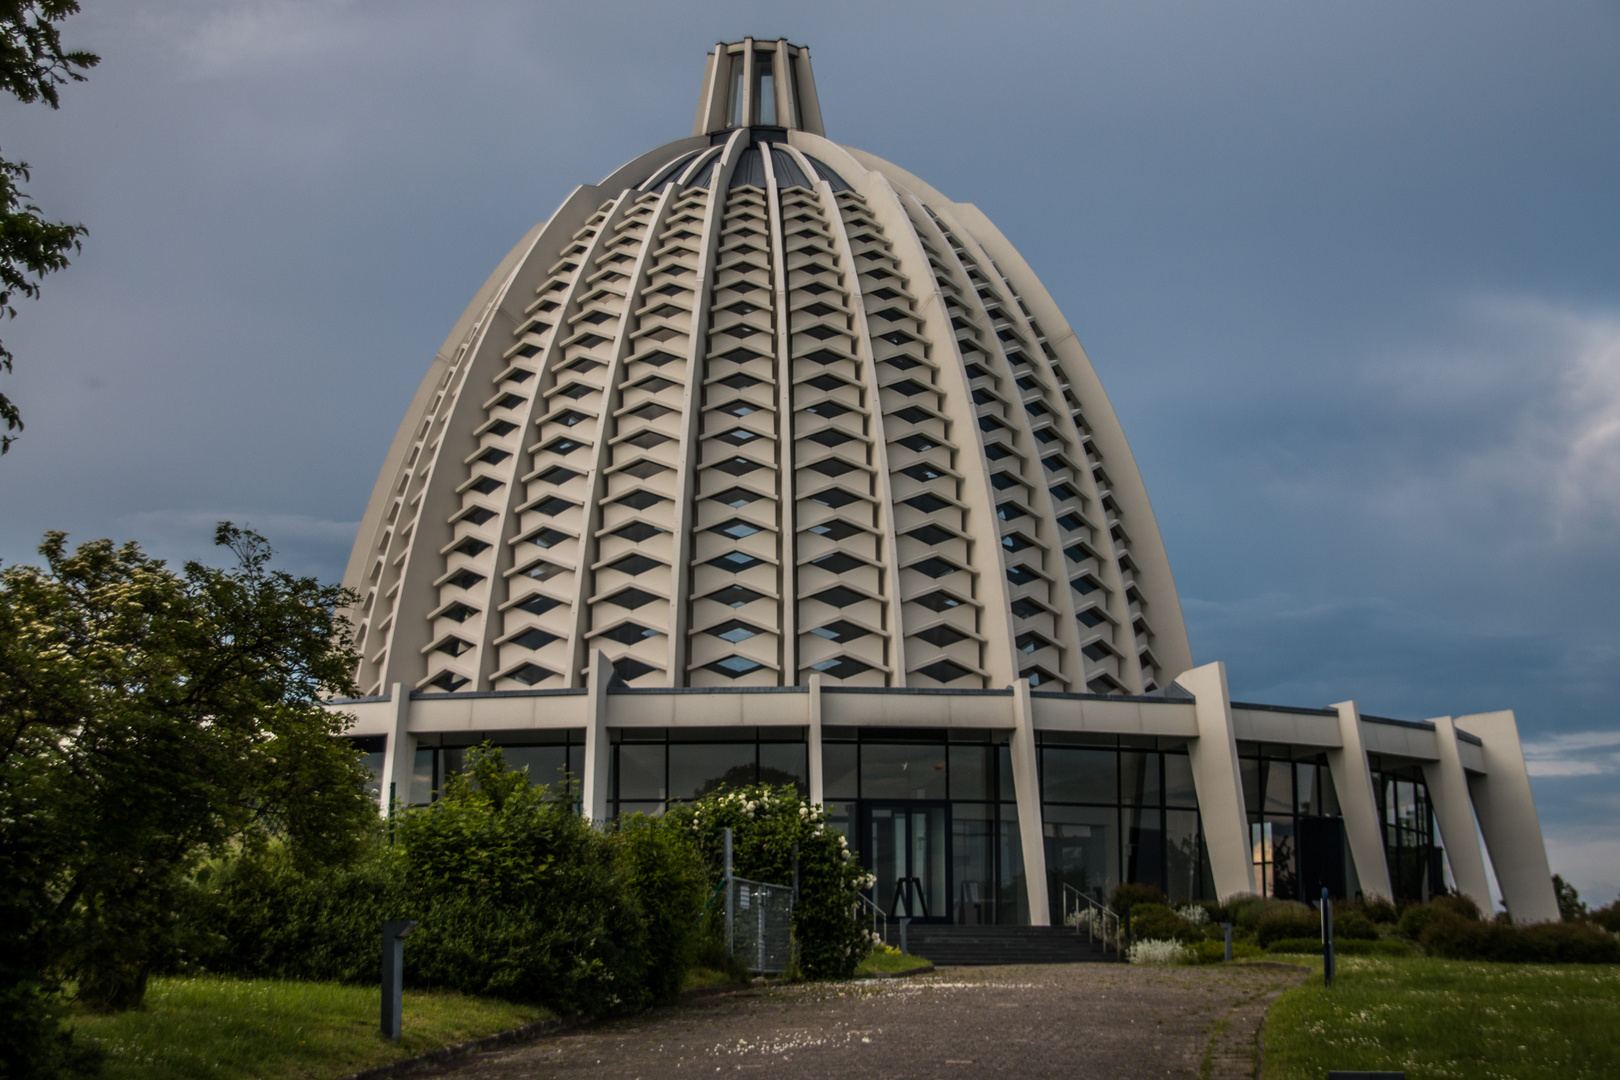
(1350, 273)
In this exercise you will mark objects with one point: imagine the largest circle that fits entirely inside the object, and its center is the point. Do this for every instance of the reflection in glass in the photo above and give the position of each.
(373, 764)
(974, 849)
(1144, 840)
(972, 772)
(1082, 850)
(839, 779)
(696, 769)
(641, 771)
(1138, 778)
(890, 771)
(422, 778)
(1187, 873)
(1178, 782)
(765, 87)
(785, 763)
(1306, 797)
(1012, 902)
(1279, 787)
(1071, 774)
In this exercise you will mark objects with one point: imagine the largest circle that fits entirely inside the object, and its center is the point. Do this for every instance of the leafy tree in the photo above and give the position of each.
(148, 720)
(32, 66)
(1570, 906)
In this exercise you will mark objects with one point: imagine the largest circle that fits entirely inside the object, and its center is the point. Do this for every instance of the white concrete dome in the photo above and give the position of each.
(760, 406)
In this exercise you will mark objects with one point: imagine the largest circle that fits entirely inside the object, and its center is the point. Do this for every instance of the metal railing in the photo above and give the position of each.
(759, 924)
(1098, 919)
(862, 907)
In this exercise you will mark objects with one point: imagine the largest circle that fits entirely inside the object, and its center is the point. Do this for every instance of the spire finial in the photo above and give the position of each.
(755, 83)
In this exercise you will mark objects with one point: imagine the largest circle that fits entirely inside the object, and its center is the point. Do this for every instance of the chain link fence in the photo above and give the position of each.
(759, 919)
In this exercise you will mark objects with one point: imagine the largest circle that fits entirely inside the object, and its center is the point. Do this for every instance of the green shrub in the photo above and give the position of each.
(1132, 893)
(1159, 922)
(1213, 950)
(1297, 921)
(1246, 911)
(1345, 947)
(1378, 910)
(1456, 938)
(517, 896)
(766, 823)
(1414, 920)
(1607, 917)
(1354, 925)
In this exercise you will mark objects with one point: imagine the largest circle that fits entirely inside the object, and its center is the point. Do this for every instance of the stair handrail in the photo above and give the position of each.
(1100, 919)
(880, 920)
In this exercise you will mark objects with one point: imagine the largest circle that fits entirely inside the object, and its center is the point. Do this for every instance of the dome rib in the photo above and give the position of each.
(760, 407)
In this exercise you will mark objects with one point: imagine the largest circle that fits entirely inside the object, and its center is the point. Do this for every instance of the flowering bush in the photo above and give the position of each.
(1193, 914)
(766, 823)
(1160, 953)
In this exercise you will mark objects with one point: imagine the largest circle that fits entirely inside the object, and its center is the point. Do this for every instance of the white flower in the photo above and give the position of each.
(1159, 952)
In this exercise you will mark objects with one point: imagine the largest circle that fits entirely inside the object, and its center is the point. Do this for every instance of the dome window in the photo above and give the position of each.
(943, 671)
(837, 563)
(735, 561)
(629, 633)
(931, 534)
(839, 596)
(938, 600)
(835, 530)
(634, 565)
(734, 631)
(631, 599)
(842, 630)
(538, 604)
(450, 682)
(529, 674)
(735, 667)
(534, 638)
(1021, 575)
(841, 667)
(737, 529)
(940, 636)
(464, 579)
(927, 503)
(736, 497)
(735, 596)
(637, 531)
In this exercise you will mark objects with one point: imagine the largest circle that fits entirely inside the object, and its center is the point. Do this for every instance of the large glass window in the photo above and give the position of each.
(1296, 840)
(554, 757)
(655, 767)
(1416, 866)
(1120, 808)
(880, 780)
(765, 88)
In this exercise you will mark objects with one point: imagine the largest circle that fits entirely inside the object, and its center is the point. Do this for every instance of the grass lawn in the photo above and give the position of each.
(214, 1029)
(1449, 1018)
(890, 964)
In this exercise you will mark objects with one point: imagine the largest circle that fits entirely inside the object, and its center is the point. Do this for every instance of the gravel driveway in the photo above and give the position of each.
(1032, 1022)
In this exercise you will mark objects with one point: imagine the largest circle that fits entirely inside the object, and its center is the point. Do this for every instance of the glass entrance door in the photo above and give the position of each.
(908, 851)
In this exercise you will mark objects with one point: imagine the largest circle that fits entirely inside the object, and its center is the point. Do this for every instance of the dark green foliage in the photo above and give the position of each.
(1129, 894)
(1301, 922)
(1245, 912)
(766, 823)
(1416, 918)
(1607, 917)
(148, 720)
(1354, 925)
(1341, 947)
(518, 898)
(1158, 922)
(32, 66)
(1455, 938)
(1377, 910)
(1570, 908)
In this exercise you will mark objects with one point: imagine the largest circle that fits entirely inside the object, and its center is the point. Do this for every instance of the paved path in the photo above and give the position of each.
(1031, 1022)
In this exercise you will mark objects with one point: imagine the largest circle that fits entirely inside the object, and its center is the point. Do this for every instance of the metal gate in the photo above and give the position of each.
(759, 924)
(759, 918)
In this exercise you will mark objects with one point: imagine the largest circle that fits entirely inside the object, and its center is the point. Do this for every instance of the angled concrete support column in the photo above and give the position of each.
(1027, 785)
(598, 751)
(814, 738)
(1218, 783)
(399, 756)
(1352, 781)
(1507, 817)
(1448, 793)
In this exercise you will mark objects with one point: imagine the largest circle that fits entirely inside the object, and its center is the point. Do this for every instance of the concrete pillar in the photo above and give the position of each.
(598, 751)
(1027, 786)
(1218, 782)
(1352, 782)
(1507, 817)
(814, 738)
(1448, 792)
(399, 756)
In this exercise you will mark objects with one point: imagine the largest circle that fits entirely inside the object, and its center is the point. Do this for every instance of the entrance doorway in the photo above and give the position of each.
(908, 850)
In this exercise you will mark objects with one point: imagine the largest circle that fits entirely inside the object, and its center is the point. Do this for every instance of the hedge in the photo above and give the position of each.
(1341, 947)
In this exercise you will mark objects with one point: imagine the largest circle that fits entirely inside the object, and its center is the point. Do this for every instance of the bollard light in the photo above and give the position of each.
(394, 933)
(1227, 928)
(1327, 939)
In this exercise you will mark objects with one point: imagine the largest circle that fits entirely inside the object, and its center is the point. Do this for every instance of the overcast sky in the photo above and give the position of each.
(1350, 273)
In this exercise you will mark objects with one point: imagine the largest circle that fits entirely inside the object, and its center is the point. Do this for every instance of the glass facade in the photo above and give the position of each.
(1416, 862)
(1295, 833)
(654, 767)
(551, 757)
(930, 812)
(1120, 808)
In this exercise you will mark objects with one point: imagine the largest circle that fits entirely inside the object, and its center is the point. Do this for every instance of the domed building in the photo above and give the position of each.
(763, 459)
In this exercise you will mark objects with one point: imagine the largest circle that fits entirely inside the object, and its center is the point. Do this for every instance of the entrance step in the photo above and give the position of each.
(985, 945)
